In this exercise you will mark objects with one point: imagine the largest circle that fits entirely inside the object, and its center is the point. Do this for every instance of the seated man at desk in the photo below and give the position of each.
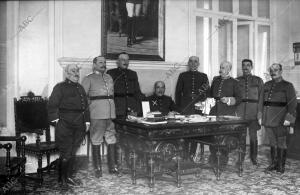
(159, 101)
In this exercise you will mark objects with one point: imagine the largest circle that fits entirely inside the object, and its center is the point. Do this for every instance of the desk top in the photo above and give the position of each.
(176, 125)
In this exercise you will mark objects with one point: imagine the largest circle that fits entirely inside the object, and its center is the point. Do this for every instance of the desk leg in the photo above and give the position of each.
(178, 172)
(242, 152)
(218, 173)
(151, 172)
(133, 168)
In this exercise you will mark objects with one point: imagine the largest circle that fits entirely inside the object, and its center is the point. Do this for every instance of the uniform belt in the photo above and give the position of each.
(101, 97)
(250, 100)
(217, 98)
(124, 94)
(67, 110)
(277, 104)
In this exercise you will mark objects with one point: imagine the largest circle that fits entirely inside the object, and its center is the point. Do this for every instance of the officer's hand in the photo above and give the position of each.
(286, 123)
(87, 126)
(224, 100)
(259, 121)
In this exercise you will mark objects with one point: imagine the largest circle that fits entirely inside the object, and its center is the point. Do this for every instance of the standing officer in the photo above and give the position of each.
(252, 90)
(159, 101)
(127, 93)
(225, 90)
(68, 107)
(277, 113)
(192, 87)
(99, 87)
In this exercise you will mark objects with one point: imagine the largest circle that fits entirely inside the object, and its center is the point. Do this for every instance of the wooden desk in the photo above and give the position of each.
(150, 147)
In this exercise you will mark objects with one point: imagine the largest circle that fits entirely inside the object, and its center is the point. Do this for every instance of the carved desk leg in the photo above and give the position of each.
(178, 172)
(242, 151)
(218, 172)
(151, 171)
(133, 167)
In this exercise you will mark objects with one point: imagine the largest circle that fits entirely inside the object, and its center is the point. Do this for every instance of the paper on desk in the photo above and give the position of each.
(146, 108)
(153, 123)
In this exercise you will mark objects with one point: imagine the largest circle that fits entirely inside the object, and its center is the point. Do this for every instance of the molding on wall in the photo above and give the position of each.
(140, 65)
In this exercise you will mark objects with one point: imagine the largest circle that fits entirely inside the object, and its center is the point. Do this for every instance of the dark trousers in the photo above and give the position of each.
(68, 138)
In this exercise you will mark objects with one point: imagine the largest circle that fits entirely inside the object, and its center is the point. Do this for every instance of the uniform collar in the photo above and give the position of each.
(70, 82)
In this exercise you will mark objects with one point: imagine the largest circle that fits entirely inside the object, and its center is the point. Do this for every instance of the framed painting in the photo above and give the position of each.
(136, 27)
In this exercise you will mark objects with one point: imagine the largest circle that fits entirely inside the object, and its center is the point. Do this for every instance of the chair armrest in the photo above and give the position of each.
(13, 138)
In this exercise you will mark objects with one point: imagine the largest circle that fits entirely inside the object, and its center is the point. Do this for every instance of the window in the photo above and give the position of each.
(3, 81)
(203, 42)
(204, 4)
(263, 8)
(245, 7)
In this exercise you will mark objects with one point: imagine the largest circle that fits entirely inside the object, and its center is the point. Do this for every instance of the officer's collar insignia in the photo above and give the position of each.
(154, 102)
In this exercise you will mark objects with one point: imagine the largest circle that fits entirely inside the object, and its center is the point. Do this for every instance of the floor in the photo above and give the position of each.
(253, 181)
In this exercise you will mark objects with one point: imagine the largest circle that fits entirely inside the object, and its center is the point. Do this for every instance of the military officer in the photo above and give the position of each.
(159, 101)
(226, 92)
(127, 93)
(100, 89)
(68, 107)
(192, 87)
(252, 90)
(277, 113)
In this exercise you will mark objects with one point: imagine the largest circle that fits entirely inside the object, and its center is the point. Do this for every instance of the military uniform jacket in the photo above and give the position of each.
(252, 91)
(187, 90)
(225, 88)
(279, 104)
(164, 104)
(68, 102)
(100, 90)
(127, 93)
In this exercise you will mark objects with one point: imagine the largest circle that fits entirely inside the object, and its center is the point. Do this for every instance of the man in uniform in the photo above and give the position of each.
(68, 107)
(277, 113)
(192, 87)
(127, 93)
(226, 92)
(252, 89)
(99, 87)
(159, 101)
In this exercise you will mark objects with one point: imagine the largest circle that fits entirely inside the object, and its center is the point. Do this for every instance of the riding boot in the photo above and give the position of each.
(63, 172)
(193, 150)
(253, 152)
(97, 160)
(134, 28)
(111, 160)
(281, 160)
(72, 171)
(273, 165)
(129, 31)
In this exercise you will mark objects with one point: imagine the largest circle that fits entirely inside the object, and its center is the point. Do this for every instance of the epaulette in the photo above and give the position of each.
(89, 74)
(216, 77)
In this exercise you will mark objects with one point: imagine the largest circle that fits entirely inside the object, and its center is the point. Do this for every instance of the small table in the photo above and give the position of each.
(150, 150)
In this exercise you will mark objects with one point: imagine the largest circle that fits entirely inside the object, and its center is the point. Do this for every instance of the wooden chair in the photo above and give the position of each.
(12, 169)
(31, 116)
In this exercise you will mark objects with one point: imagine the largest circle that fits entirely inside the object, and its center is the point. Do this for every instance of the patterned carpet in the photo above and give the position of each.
(253, 181)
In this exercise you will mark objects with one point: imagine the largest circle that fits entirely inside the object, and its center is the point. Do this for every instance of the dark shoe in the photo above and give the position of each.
(281, 160)
(253, 152)
(111, 160)
(63, 173)
(273, 165)
(97, 160)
